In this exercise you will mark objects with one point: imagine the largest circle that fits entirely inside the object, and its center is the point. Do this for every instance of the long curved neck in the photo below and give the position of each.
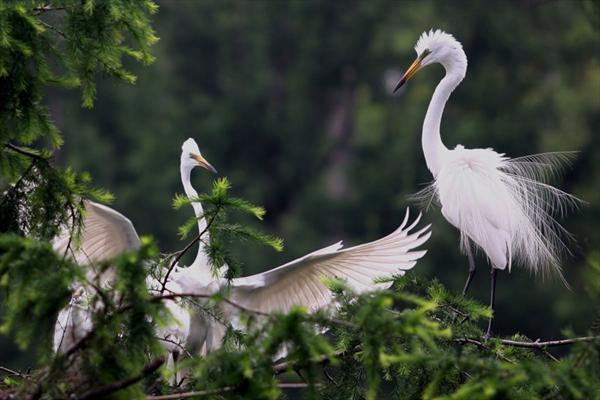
(433, 147)
(201, 260)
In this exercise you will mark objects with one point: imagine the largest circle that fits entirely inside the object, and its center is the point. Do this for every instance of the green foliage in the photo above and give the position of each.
(34, 285)
(217, 206)
(415, 340)
(65, 43)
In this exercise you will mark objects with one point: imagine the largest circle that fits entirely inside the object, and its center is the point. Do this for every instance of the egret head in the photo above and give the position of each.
(191, 157)
(437, 47)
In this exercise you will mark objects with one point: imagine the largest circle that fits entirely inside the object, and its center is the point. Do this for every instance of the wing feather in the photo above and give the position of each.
(299, 281)
(106, 233)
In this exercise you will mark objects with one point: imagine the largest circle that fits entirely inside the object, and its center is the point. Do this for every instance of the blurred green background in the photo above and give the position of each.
(292, 102)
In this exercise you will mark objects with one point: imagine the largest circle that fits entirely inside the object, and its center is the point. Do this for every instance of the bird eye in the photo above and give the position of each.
(425, 53)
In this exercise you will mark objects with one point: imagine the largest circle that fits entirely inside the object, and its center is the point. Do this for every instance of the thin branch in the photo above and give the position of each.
(53, 28)
(531, 345)
(72, 210)
(551, 343)
(211, 392)
(24, 152)
(12, 372)
(482, 345)
(105, 390)
(181, 347)
(187, 248)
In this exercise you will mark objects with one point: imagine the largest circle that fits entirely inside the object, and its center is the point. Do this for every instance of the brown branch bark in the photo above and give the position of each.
(551, 343)
(532, 345)
(211, 392)
(105, 390)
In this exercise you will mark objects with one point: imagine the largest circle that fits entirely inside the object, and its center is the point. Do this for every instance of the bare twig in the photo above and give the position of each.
(537, 345)
(482, 345)
(72, 210)
(12, 372)
(551, 343)
(187, 248)
(105, 390)
(211, 392)
(53, 28)
(182, 348)
(532, 345)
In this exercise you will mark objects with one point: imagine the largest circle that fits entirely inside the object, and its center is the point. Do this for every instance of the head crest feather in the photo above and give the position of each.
(434, 38)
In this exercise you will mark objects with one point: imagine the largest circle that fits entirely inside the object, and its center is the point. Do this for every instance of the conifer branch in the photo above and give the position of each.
(105, 390)
(212, 392)
(25, 152)
(532, 345)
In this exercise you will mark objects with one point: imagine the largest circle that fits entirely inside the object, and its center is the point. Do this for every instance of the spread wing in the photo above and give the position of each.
(299, 282)
(106, 233)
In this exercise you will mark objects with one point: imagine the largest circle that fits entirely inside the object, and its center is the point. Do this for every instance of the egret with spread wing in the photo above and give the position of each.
(106, 233)
(504, 206)
(299, 282)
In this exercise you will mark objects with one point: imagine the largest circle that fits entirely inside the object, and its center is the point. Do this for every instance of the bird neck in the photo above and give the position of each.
(433, 147)
(201, 262)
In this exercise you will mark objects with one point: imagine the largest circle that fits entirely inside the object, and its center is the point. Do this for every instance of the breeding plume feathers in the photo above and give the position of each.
(523, 207)
(435, 38)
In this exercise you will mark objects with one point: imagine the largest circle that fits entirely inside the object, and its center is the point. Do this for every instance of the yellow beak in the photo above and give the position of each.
(203, 163)
(414, 67)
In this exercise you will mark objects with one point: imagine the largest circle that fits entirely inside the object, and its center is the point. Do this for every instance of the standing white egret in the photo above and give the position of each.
(500, 204)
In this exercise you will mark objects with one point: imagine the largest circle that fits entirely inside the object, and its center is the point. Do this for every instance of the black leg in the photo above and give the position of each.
(488, 334)
(471, 270)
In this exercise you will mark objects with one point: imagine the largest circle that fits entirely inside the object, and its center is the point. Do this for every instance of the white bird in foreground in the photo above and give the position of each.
(502, 205)
(297, 282)
(106, 234)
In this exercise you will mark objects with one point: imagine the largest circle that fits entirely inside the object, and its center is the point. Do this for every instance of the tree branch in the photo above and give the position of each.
(105, 390)
(24, 152)
(211, 392)
(46, 8)
(531, 345)
(187, 248)
(53, 28)
(551, 343)
(12, 372)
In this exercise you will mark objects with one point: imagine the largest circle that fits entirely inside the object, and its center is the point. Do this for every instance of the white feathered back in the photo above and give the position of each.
(505, 206)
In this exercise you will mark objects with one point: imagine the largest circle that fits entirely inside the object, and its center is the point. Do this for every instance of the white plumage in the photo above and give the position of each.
(299, 282)
(105, 234)
(504, 206)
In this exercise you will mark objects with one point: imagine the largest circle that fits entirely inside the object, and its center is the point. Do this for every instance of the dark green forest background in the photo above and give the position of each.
(292, 101)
